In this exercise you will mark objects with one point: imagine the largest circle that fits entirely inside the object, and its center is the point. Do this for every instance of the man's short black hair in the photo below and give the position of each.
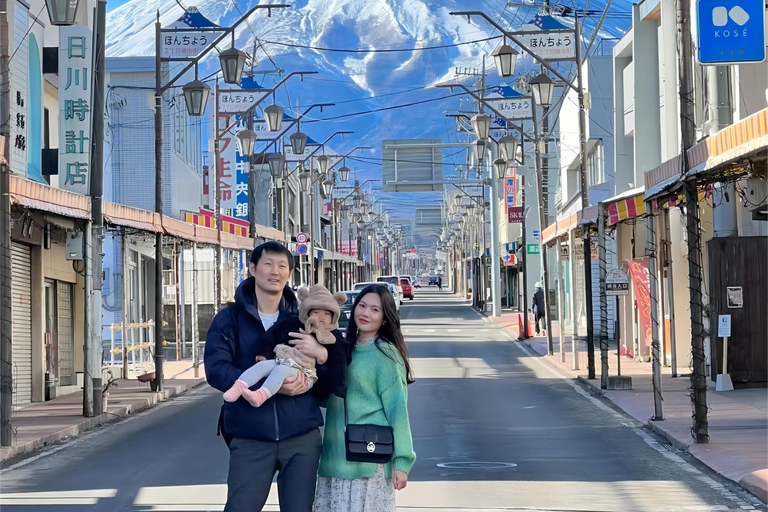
(271, 248)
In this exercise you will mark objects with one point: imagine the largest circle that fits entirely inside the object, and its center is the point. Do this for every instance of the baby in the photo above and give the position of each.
(319, 316)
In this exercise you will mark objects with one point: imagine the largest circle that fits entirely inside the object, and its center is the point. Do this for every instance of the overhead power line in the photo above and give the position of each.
(379, 50)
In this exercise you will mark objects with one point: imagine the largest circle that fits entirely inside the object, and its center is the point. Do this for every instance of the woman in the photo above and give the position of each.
(376, 394)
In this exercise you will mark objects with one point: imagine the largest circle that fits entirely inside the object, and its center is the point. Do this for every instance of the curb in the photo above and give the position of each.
(122, 412)
(752, 483)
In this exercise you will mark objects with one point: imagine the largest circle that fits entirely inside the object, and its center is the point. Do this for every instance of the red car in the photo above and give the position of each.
(405, 281)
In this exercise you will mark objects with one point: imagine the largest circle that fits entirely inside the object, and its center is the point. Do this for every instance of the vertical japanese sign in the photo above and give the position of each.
(75, 98)
(514, 212)
(233, 178)
(638, 269)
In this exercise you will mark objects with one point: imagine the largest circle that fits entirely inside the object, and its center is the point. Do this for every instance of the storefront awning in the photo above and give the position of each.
(743, 139)
(120, 215)
(567, 223)
(627, 205)
(45, 198)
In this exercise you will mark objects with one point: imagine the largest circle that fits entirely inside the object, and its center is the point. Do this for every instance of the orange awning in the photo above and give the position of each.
(45, 198)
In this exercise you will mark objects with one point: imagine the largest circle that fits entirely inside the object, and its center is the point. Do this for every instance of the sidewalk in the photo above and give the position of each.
(40, 424)
(738, 420)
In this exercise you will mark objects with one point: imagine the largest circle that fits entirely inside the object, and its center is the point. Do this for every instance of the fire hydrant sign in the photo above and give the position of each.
(731, 31)
(616, 283)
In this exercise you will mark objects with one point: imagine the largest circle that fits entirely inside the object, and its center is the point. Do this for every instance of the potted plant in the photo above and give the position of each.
(111, 381)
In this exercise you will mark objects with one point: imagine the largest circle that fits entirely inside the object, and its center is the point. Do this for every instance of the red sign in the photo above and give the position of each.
(515, 214)
(638, 269)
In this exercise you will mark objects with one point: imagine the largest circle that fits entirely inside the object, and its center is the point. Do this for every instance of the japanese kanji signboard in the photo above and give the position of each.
(512, 108)
(75, 98)
(233, 175)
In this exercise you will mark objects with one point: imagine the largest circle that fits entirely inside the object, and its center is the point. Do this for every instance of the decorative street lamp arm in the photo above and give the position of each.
(250, 110)
(356, 188)
(322, 144)
(292, 123)
(345, 156)
(227, 31)
(510, 35)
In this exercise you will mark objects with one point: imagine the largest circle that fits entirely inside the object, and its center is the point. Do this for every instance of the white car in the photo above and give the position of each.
(392, 288)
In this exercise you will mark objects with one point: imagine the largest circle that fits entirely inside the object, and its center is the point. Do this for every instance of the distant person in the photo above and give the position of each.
(538, 306)
(285, 436)
(377, 394)
(439, 284)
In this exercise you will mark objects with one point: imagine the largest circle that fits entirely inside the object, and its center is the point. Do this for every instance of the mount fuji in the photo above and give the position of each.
(366, 87)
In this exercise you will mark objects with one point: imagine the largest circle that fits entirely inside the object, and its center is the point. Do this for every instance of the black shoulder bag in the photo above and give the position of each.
(368, 443)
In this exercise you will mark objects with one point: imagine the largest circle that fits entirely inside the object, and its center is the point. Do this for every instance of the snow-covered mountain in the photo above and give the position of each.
(360, 82)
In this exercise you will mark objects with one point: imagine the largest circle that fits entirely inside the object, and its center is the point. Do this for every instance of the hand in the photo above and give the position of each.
(308, 345)
(400, 478)
(295, 386)
(260, 359)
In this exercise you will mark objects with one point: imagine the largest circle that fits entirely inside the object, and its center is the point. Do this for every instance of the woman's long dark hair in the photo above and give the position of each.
(389, 332)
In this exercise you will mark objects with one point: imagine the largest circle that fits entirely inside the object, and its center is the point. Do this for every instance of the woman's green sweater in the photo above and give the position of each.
(376, 395)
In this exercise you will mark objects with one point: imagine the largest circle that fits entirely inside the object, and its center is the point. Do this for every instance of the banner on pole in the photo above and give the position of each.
(638, 269)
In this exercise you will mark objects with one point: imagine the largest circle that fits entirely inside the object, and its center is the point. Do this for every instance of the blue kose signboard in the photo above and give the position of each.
(731, 31)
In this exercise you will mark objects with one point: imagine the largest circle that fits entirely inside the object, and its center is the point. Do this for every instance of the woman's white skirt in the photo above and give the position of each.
(375, 494)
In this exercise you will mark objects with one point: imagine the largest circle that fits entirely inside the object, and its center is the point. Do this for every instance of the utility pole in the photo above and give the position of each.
(6, 332)
(157, 385)
(688, 131)
(524, 242)
(215, 187)
(603, 300)
(97, 192)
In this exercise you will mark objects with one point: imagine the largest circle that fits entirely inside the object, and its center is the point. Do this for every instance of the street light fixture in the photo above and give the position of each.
(305, 179)
(501, 167)
(276, 163)
(344, 173)
(322, 163)
(481, 124)
(508, 147)
(247, 140)
(542, 88)
(232, 63)
(196, 97)
(480, 150)
(505, 57)
(62, 12)
(328, 187)
(299, 142)
(273, 115)
(360, 225)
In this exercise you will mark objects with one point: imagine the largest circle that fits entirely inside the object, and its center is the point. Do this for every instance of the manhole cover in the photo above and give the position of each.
(476, 465)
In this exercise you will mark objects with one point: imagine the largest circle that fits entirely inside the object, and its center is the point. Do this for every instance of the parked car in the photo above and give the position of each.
(395, 281)
(395, 294)
(405, 281)
(345, 310)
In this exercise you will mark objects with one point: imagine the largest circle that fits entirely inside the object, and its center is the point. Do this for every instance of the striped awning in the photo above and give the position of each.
(625, 208)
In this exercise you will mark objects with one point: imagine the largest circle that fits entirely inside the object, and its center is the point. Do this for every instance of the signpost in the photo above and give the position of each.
(301, 249)
(731, 31)
(617, 285)
(724, 382)
(302, 238)
(533, 249)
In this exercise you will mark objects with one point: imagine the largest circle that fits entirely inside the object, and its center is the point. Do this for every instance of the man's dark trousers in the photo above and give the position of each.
(252, 464)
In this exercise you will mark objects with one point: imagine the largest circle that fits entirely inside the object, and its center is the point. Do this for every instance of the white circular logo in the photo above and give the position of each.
(371, 447)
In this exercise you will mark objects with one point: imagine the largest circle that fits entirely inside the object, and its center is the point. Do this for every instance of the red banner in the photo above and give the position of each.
(515, 214)
(638, 269)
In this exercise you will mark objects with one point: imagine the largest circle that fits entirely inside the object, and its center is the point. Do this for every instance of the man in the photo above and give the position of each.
(283, 435)
(538, 306)
(439, 283)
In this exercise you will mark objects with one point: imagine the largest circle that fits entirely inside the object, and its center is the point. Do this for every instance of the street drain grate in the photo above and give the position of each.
(476, 465)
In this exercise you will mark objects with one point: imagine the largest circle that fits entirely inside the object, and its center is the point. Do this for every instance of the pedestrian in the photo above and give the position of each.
(538, 305)
(284, 436)
(377, 378)
(439, 283)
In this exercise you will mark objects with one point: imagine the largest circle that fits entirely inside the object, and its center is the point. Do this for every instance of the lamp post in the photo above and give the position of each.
(194, 94)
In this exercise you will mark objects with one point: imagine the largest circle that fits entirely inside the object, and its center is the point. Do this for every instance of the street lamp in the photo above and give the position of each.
(344, 173)
(305, 179)
(328, 187)
(322, 163)
(508, 147)
(232, 63)
(62, 12)
(501, 167)
(276, 163)
(481, 124)
(505, 57)
(298, 142)
(196, 97)
(247, 140)
(480, 149)
(542, 88)
(273, 115)
(360, 225)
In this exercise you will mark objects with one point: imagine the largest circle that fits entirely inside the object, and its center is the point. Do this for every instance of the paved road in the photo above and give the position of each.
(495, 429)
